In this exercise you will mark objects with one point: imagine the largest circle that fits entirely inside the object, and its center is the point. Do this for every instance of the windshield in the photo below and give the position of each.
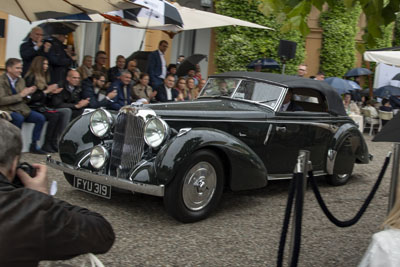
(220, 87)
(260, 92)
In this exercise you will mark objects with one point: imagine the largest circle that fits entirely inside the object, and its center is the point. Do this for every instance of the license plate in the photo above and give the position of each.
(93, 187)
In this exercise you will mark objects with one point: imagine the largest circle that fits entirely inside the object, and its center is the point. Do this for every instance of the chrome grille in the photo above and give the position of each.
(128, 144)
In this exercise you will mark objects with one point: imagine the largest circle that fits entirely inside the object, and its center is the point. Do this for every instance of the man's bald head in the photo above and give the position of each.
(73, 77)
(36, 34)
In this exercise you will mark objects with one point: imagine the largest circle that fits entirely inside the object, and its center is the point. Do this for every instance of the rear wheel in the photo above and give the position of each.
(196, 189)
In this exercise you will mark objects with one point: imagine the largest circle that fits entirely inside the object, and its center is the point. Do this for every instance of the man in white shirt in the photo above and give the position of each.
(157, 66)
(166, 92)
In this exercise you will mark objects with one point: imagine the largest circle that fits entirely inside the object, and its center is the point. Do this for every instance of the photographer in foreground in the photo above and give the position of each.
(34, 226)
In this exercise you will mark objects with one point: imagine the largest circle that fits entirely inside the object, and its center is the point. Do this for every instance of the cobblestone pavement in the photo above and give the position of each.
(245, 229)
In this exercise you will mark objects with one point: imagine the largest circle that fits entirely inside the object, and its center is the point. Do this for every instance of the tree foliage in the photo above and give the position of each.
(238, 46)
(379, 14)
(338, 53)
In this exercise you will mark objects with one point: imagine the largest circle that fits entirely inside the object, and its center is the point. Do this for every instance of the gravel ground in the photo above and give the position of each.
(245, 229)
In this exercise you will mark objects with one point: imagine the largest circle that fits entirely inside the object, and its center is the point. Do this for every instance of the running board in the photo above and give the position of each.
(287, 176)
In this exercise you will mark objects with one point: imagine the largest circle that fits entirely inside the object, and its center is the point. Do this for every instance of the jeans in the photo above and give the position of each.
(34, 117)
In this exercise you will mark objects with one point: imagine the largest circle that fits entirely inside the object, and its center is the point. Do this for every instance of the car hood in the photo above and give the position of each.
(212, 108)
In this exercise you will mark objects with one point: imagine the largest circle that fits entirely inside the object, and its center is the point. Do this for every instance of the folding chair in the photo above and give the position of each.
(384, 115)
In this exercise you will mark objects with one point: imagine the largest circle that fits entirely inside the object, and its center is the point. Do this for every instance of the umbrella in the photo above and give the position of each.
(386, 91)
(390, 132)
(45, 9)
(155, 13)
(354, 85)
(50, 28)
(189, 63)
(342, 86)
(265, 63)
(396, 77)
(193, 19)
(141, 59)
(357, 72)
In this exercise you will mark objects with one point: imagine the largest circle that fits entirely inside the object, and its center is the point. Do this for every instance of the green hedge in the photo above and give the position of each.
(396, 32)
(338, 52)
(238, 46)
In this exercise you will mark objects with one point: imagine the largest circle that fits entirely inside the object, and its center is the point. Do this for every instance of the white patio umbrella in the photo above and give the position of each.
(193, 19)
(33, 10)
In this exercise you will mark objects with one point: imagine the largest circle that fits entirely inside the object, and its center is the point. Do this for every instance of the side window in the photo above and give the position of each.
(265, 93)
(310, 100)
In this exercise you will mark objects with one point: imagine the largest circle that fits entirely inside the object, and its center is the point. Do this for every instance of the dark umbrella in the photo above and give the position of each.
(189, 63)
(50, 28)
(396, 77)
(342, 86)
(390, 132)
(358, 72)
(141, 59)
(386, 91)
(265, 63)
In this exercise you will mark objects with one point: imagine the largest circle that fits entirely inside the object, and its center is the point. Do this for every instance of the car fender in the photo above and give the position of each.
(243, 168)
(340, 155)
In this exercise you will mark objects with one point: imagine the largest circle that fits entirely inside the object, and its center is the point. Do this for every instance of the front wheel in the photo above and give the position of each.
(196, 189)
(339, 179)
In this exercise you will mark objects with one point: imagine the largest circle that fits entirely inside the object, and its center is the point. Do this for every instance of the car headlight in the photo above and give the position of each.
(155, 132)
(98, 157)
(100, 122)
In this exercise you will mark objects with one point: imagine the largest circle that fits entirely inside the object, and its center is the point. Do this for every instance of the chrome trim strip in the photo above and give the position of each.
(84, 158)
(287, 176)
(183, 131)
(154, 190)
(268, 134)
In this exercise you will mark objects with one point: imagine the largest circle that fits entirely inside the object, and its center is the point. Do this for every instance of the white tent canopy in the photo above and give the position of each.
(387, 57)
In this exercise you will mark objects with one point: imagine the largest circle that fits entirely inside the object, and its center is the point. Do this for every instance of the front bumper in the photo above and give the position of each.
(154, 190)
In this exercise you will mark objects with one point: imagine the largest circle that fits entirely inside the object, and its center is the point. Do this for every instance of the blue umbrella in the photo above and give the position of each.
(342, 86)
(354, 85)
(386, 91)
(357, 72)
(265, 63)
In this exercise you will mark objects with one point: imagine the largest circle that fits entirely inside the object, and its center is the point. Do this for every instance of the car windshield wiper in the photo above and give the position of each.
(267, 101)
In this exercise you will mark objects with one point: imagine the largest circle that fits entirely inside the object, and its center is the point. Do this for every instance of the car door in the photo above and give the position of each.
(290, 132)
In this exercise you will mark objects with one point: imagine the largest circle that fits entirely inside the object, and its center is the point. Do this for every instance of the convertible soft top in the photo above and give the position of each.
(335, 103)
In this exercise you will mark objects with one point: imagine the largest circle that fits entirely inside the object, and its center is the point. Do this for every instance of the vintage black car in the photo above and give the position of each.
(234, 136)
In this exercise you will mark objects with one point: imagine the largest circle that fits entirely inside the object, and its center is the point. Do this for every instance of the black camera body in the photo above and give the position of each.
(26, 167)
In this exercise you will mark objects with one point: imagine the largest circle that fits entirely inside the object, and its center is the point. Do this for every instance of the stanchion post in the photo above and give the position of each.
(394, 182)
(302, 166)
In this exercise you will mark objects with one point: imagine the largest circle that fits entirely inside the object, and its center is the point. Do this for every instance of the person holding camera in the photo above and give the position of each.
(33, 47)
(34, 225)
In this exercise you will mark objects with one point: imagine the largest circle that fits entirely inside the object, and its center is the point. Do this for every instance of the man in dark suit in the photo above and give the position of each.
(70, 96)
(91, 88)
(59, 58)
(123, 87)
(157, 66)
(115, 72)
(33, 47)
(288, 104)
(166, 92)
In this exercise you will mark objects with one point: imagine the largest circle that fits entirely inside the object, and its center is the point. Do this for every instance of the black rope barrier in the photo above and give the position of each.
(286, 220)
(296, 193)
(363, 208)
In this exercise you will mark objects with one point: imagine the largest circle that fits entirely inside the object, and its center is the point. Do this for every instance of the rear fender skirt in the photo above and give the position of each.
(244, 167)
(356, 148)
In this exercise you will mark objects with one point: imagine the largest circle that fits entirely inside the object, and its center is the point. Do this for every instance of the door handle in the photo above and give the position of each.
(281, 129)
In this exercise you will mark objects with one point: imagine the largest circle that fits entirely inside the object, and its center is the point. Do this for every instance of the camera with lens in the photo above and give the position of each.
(26, 167)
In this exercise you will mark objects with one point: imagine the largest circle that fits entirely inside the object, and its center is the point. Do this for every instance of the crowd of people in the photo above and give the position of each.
(45, 86)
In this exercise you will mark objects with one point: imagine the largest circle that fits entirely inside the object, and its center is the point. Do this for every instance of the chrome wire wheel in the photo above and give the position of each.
(199, 186)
